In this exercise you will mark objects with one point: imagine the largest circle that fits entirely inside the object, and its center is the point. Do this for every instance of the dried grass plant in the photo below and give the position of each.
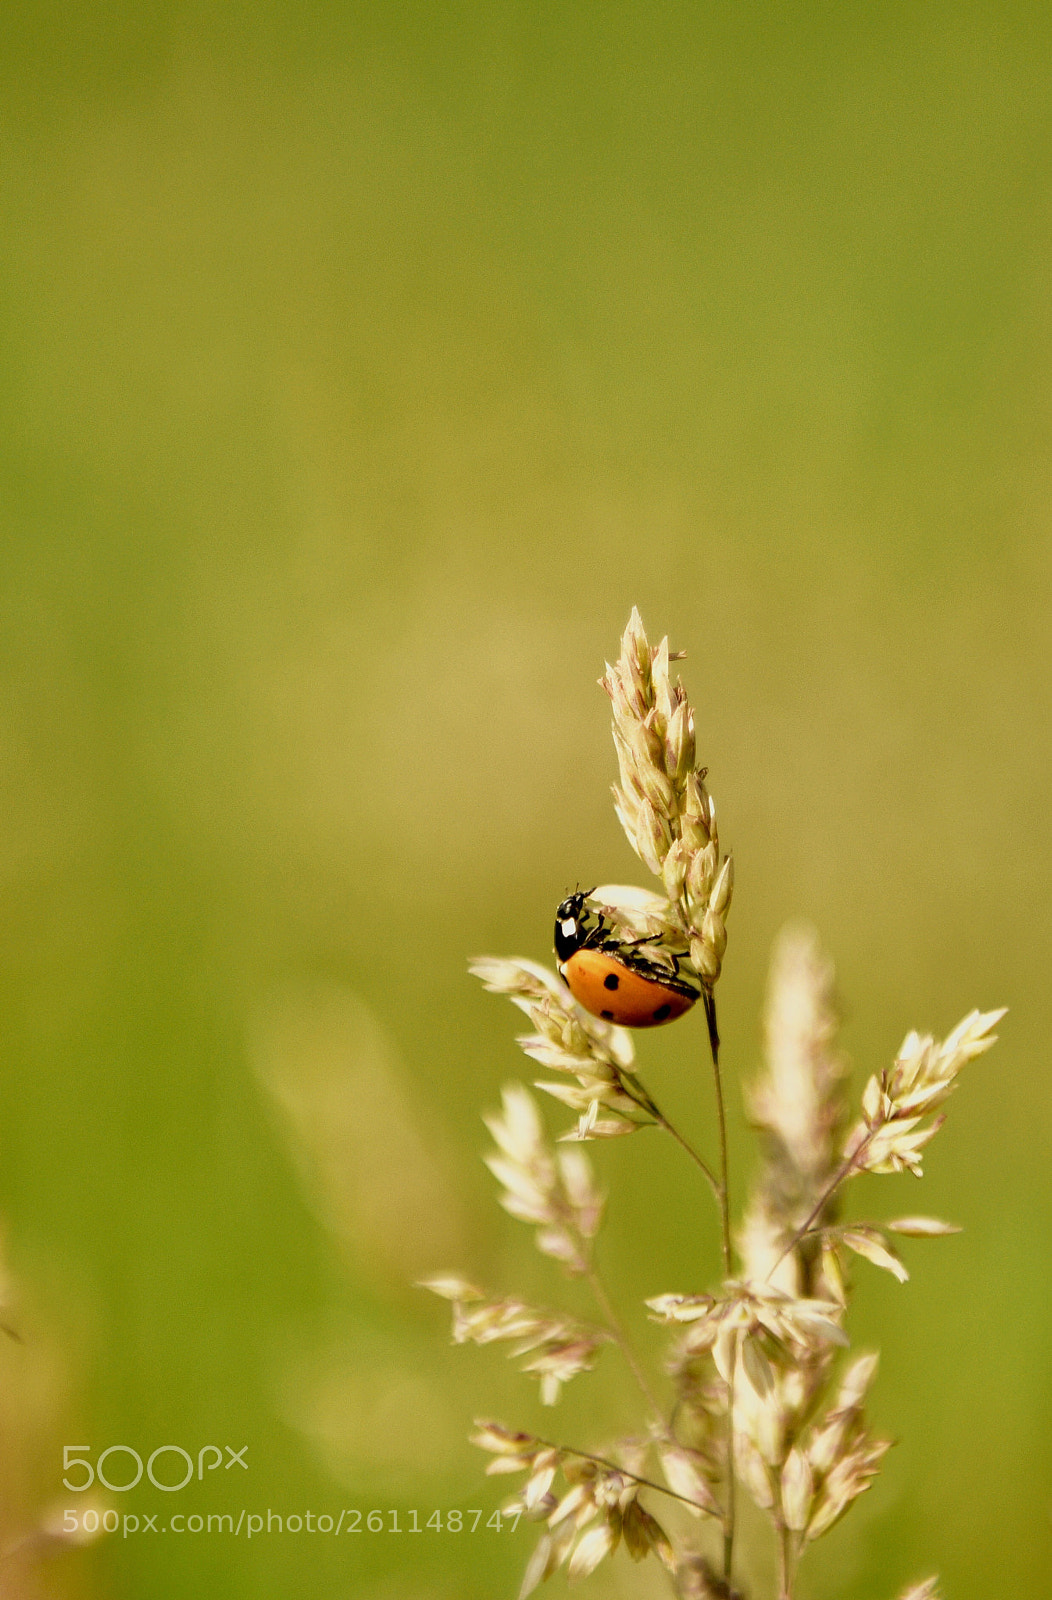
(765, 1400)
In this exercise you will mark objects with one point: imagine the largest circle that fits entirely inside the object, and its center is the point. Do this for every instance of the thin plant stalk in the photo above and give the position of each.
(647, 1103)
(624, 1344)
(843, 1171)
(725, 1220)
(710, 1176)
(612, 1466)
(785, 1563)
(721, 1118)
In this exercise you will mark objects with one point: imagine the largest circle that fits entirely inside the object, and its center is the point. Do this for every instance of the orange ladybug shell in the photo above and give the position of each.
(610, 989)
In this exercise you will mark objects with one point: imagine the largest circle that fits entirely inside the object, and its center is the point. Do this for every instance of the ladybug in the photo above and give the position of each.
(607, 976)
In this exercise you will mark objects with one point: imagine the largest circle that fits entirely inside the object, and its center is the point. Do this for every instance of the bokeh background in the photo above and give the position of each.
(362, 365)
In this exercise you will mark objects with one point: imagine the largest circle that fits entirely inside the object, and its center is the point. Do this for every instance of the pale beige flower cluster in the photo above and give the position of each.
(570, 1041)
(549, 1345)
(893, 1132)
(756, 1395)
(663, 805)
(744, 1319)
(556, 1191)
(598, 1507)
(802, 1448)
(797, 1106)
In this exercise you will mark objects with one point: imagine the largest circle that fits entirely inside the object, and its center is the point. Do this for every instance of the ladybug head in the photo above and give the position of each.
(571, 928)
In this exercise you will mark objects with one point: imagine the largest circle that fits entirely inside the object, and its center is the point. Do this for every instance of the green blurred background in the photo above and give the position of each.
(362, 365)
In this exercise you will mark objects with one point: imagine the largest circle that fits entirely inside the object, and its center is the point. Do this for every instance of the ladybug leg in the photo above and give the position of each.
(595, 938)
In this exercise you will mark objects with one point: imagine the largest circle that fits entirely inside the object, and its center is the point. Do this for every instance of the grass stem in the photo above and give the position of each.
(725, 1220)
(624, 1344)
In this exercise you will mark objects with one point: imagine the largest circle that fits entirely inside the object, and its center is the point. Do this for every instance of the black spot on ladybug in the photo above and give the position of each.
(611, 981)
(662, 1012)
(607, 1016)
